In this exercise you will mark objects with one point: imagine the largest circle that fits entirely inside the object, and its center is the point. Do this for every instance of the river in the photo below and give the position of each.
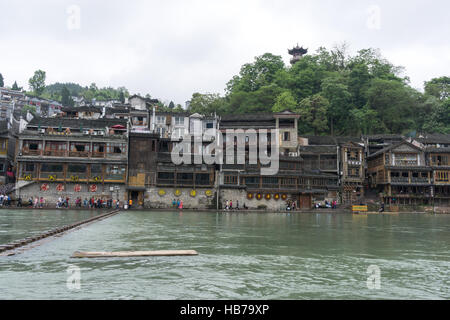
(241, 256)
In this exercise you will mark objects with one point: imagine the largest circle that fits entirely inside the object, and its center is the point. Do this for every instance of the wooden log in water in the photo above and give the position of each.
(79, 254)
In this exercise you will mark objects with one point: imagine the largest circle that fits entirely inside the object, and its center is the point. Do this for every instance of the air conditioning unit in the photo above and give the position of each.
(86, 132)
(101, 133)
(94, 133)
(42, 130)
(293, 154)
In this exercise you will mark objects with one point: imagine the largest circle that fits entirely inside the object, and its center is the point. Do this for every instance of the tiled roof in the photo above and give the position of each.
(318, 149)
(76, 123)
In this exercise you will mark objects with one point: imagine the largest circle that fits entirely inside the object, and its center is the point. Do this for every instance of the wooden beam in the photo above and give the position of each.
(79, 254)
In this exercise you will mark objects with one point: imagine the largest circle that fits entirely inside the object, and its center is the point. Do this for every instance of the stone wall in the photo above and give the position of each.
(158, 197)
(51, 195)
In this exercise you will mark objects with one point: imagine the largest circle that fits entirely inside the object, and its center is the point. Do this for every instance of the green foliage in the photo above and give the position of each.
(31, 109)
(208, 103)
(313, 110)
(438, 120)
(257, 74)
(438, 87)
(284, 101)
(16, 87)
(37, 82)
(338, 93)
(66, 99)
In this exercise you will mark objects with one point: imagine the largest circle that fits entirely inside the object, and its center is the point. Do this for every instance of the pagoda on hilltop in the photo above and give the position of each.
(297, 53)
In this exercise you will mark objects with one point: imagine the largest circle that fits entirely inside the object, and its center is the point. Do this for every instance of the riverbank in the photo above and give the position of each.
(397, 210)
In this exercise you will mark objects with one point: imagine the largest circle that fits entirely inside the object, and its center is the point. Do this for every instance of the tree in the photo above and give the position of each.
(313, 110)
(171, 105)
(16, 87)
(31, 109)
(438, 120)
(438, 87)
(335, 90)
(366, 121)
(2, 84)
(178, 108)
(394, 102)
(284, 101)
(122, 97)
(66, 99)
(207, 103)
(253, 76)
(37, 82)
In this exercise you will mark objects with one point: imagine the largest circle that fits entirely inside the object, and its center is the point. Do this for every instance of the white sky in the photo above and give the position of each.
(172, 49)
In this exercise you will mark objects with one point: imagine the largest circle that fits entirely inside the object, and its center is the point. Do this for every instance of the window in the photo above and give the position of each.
(96, 169)
(165, 175)
(187, 178)
(115, 172)
(230, 179)
(99, 148)
(209, 125)
(117, 148)
(179, 120)
(252, 181)
(202, 179)
(178, 132)
(160, 119)
(76, 168)
(441, 176)
(28, 167)
(79, 147)
(51, 167)
(286, 136)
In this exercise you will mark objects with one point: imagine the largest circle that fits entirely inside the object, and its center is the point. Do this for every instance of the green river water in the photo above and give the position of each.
(241, 256)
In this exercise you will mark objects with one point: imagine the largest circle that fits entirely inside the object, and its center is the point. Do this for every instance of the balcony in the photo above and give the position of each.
(98, 154)
(73, 154)
(400, 179)
(55, 153)
(79, 154)
(28, 152)
(419, 180)
(405, 163)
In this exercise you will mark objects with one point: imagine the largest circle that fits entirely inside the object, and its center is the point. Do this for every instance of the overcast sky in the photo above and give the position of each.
(172, 49)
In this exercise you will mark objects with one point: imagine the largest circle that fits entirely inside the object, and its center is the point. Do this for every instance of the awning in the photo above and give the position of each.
(118, 126)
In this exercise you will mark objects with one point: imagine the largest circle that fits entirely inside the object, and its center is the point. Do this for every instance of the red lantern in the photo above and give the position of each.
(93, 188)
(60, 187)
(44, 187)
(77, 188)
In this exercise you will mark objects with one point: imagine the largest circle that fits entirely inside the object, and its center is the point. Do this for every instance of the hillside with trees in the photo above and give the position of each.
(335, 93)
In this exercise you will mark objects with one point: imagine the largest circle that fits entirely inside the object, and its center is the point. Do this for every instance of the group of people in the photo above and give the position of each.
(177, 203)
(290, 205)
(332, 204)
(62, 202)
(229, 205)
(5, 200)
